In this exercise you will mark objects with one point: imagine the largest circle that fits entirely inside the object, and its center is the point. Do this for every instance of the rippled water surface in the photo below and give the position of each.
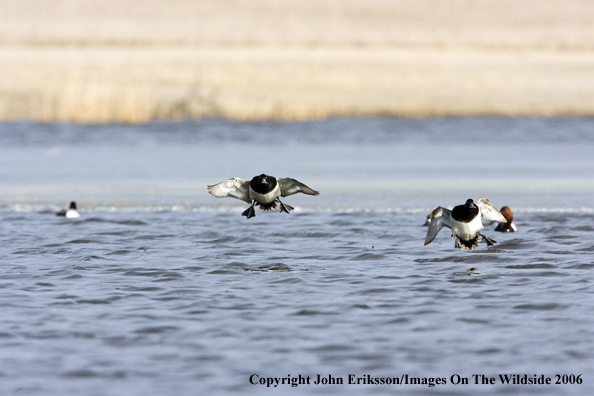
(161, 289)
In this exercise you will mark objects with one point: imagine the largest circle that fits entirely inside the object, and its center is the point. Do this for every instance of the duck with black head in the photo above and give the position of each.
(465, 223)
(263, 190)
(70, 213)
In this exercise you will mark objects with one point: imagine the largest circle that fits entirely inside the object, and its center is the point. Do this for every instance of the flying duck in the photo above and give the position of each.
(509, 216)
(263, 190)
(465, 222)
(70, 213)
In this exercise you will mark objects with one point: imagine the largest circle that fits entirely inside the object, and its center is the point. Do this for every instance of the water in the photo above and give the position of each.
(161, 289)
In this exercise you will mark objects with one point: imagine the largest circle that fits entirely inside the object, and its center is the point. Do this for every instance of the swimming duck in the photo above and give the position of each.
(263, 190)
(465, 222)
(70, 213)
(509, 216)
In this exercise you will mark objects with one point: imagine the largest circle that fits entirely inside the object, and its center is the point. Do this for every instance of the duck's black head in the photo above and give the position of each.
(465, 213)
(263, 184)
(73, 205)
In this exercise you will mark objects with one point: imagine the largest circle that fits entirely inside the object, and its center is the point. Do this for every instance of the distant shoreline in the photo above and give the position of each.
(77, 61)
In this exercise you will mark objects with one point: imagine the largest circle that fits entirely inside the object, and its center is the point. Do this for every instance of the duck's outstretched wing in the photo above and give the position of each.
(490, 212)
(291, 186)
(440, 217)
(235, 187)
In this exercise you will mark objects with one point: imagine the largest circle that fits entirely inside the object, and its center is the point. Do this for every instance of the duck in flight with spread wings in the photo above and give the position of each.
(262, 190)
(465, 222)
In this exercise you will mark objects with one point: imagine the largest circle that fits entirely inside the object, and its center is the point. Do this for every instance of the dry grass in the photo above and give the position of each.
(134, 61)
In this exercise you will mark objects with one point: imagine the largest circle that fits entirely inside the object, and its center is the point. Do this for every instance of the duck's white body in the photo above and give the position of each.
(466, 231)
(266, 198)
(72, 214)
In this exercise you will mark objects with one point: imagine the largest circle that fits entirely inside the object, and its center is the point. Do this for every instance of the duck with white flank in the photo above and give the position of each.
(509, 216)
(262, 190)
(465, 222)
(70, 213)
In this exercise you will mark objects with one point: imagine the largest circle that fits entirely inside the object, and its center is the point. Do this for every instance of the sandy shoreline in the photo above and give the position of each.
(90, 62)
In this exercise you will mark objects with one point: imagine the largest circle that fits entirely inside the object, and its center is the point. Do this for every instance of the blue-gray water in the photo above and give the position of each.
(162, 289)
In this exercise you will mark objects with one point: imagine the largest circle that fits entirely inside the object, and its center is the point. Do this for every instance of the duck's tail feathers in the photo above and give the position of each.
(269, 206)
(468, 245)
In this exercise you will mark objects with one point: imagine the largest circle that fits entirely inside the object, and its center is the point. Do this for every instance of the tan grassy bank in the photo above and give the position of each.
(134, 61)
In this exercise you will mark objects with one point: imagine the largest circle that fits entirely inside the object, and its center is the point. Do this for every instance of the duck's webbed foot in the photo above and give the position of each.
(285, 208)
(489, 241)
(249, 212)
